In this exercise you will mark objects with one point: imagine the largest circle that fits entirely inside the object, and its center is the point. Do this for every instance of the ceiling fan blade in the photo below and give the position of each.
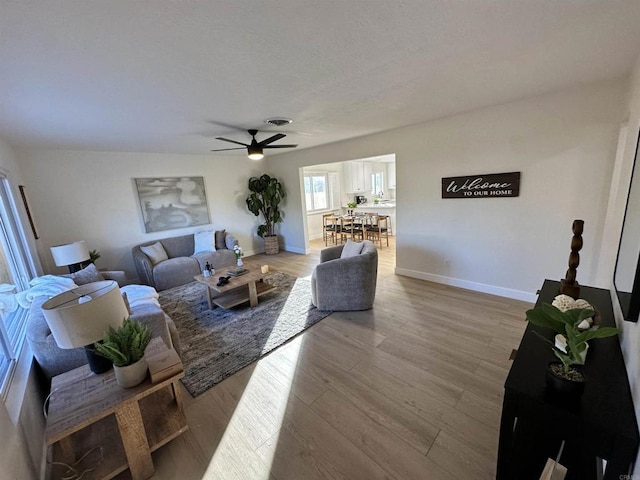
(269, 140)
(232, 141)
(227, 126)
(225, 149)
(280, 146)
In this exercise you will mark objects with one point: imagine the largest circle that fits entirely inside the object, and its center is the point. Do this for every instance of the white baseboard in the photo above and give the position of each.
(475, 286)
(303, 251)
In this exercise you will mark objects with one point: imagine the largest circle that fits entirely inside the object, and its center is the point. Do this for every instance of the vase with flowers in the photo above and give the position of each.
(237, 249)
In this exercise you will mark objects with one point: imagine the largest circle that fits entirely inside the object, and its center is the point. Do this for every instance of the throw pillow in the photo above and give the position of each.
(351, 249)
(88, 274)
(204, 242)
(220, 243)
(155, 252)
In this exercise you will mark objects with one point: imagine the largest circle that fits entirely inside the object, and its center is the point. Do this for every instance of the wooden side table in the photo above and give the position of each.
(87, 411)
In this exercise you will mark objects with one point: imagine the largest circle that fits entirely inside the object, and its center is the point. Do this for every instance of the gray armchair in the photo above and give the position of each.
(342, 284)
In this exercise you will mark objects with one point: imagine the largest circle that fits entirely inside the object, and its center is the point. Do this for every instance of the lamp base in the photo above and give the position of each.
(76, 267)
(97, 363)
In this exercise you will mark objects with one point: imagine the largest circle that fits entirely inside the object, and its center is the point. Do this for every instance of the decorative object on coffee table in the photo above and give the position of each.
(569, 286)
(266, 195)
(237, 249)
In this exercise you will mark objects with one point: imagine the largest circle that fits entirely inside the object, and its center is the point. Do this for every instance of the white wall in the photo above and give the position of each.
(630, 335)
(91, 196)
(563, 143)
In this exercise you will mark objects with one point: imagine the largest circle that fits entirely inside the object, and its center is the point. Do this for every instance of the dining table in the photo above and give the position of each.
(350, 226)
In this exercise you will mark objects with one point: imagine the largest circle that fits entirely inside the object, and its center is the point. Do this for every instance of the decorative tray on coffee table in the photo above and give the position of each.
(236, 272)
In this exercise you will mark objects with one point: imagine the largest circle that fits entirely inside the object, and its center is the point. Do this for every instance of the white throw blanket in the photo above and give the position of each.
(47, 285)
(140, 295)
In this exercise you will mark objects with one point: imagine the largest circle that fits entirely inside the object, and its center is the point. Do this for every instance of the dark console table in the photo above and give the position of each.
(601, 424)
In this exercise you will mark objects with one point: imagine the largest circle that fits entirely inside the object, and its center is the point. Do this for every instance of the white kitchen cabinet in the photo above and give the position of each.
(367, 170)
(346, 178)
(357, 177)
(391, 175)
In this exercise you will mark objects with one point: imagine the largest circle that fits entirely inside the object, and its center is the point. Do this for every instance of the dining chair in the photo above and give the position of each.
(378, 227)
(346, 227)
(331, 227)
(358, 226)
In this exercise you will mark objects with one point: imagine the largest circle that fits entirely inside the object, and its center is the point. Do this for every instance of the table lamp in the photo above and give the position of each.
(71, 255)
(80, 317)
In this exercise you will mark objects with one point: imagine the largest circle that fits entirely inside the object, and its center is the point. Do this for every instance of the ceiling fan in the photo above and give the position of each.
(255, 148)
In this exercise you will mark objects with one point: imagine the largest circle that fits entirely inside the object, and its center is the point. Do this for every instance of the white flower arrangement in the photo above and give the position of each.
(565, 302)
(237, 249)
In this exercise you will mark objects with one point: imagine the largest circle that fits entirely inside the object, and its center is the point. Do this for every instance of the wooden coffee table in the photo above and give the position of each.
(247, 287)
(92, 413)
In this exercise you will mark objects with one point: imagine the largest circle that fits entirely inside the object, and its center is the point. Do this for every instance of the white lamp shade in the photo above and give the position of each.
(70, 254)
(81, 316)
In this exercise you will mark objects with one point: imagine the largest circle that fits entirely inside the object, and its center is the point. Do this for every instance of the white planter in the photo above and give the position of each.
(131, 375)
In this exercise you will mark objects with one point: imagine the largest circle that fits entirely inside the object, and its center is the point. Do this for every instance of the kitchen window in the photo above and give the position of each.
(316, 191)
(377, 184)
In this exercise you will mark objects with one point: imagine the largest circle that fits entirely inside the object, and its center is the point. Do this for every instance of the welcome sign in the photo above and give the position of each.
(482, 186)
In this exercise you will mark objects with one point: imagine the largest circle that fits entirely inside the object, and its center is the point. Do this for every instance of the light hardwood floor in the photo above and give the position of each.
(411, 389)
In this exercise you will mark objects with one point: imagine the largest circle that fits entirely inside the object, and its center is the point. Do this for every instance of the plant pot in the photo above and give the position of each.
(565, 386)
(131, 375)
(271, 246)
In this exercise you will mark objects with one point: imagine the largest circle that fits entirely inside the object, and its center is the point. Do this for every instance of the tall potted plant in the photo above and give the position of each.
(264, 199)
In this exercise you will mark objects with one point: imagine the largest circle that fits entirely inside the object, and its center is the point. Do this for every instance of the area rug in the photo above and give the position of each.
(217, 343)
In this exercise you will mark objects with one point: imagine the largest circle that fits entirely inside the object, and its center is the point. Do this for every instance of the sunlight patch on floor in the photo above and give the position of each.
(257, 420)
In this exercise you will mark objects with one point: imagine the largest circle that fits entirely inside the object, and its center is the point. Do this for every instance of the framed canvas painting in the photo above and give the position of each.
(168, 203)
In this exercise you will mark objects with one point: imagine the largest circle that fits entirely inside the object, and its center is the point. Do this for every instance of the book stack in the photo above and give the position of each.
(237, 272)
(164, 365)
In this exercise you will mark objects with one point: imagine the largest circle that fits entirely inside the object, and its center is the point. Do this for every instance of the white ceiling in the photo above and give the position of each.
(168, 75)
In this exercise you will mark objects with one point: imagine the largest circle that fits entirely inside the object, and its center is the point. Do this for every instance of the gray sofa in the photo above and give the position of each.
(182, 265)
(54, 360)
(342, 284)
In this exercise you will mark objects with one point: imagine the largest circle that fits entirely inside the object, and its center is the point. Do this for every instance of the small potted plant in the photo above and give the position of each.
(125, 347)
(94, 255)
(266, 195)
(572, 324)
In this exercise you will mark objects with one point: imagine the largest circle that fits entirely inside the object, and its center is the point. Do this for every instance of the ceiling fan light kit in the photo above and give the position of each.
(255, 152)
(255, 148)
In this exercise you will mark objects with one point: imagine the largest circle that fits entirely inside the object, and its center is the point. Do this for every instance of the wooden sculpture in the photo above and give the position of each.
(569, 286)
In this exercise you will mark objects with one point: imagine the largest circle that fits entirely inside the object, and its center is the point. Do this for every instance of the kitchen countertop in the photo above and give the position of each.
(376, 205)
